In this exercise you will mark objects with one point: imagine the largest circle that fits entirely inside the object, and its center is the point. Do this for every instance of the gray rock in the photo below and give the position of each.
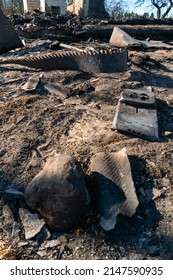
(43, 235)
(51, 243)
(42, 253)
(7, 215)
(122, 251)
(59, 192)
(153, 250)
(22, 244)
(156, 193)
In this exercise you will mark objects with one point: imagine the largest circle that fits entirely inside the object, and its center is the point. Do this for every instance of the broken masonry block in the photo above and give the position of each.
(136, 114)
(9, 40)
(58, 193)
(113, 190)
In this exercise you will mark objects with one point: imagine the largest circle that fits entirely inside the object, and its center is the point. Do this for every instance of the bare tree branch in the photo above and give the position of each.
(168, 9)
(160, 6)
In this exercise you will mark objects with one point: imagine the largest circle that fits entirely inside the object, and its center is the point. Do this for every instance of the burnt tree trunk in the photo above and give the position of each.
(97, 9)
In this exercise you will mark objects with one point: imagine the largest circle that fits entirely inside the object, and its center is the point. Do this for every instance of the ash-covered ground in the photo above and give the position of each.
(33, 125)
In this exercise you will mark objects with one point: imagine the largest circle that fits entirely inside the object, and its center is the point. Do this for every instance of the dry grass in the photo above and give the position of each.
(6, 252)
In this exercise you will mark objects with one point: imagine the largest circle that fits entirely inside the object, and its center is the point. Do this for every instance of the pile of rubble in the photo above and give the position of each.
(63, 192)
(72, 28)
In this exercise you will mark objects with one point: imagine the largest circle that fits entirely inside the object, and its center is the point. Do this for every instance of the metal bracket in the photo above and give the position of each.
(136, 114)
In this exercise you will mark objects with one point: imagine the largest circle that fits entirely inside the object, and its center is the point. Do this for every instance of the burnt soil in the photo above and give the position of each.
(34, 125)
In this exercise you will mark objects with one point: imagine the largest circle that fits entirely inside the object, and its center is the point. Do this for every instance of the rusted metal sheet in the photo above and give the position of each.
(121, 39)
(9, 40)
(136, 114)
(155, 44)
(113, 189)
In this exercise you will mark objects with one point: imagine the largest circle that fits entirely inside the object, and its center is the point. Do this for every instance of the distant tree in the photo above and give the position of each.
(146, 15)
(11, 6)
(1, 4)
(163, 6)
(116, 8)
(152, 15)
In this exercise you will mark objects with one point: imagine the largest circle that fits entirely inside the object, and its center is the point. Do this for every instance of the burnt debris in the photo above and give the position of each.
(9, 40)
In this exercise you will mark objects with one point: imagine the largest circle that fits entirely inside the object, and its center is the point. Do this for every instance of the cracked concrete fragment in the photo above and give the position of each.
(31, 223)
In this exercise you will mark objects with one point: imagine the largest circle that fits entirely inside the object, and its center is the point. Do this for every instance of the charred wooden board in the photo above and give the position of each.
(136, 114)
(113, 189)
